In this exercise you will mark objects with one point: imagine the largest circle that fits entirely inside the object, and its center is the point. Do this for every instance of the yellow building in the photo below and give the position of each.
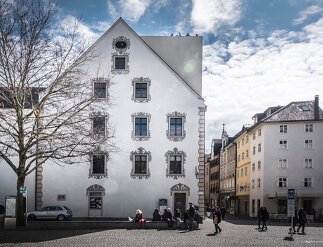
(243, 170)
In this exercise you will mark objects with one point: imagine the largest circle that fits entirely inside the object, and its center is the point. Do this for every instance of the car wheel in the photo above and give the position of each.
(61, 217)
(32, 217)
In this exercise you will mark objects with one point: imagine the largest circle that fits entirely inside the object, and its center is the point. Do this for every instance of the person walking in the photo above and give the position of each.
(217, 219)
(259, 213)
(295, 220)
(222, 210)
(264, 217)
(301, 220)
(191, 216)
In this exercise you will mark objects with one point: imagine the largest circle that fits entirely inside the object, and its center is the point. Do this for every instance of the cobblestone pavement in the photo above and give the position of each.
(231, 235)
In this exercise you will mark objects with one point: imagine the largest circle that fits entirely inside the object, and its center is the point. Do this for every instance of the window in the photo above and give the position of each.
(237, 172)
(98, 166)
(253, 136)
(100, 88)
(238, 144)
(253, 150)
(175, 130)
(61, 197)
(304, 108)
(141, 89)
(247, 139)
(246, 171)
(259, 132)
(283, 144)
(308, 163)
(175, 163)
(282, 164)
(282, 206)
(120, 64)
(308, 144)
(283, 128)
(259, 165)
(31, 97)
(307, 182)
(140, 126)
(308, 127)
(258, 182)
(243, 156)
(99, 125)
(242, 141)
(140, 163)
(259, 147)
(247, 153)
(239, 157)
(282, 182)
(241, 172)
(253, 166)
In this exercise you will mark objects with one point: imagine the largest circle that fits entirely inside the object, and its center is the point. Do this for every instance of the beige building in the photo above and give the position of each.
(243, 172)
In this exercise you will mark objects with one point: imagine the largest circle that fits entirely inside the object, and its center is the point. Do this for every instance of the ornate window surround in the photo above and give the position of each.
(98, 114)
(95, 188)
(101, 80)
(141, 115)
(120, 52)
(175, 152)
(106, 158)
(180, 188)
(118, 39)
(141, 80)
(140, 151)
(176, 114)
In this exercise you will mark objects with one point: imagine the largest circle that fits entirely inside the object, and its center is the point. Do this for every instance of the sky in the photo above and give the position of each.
(256, 53)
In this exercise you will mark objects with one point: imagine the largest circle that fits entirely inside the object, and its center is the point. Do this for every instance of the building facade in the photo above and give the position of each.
(158, 116)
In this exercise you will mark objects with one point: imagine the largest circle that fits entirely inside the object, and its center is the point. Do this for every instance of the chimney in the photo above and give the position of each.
(316, 108)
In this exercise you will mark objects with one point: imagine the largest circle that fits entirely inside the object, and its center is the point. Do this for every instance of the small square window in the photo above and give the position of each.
(304, 108)
(99, 125)
(61, 197)
(283, 144)
(308, 163)
(307, 182)
(308, 144)
(100, 88)
(308, 127)
(282, 182)
(282, 164)
(120, 64)
(283, 128)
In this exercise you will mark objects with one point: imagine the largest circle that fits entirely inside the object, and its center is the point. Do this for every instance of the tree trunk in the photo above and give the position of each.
(20, 218)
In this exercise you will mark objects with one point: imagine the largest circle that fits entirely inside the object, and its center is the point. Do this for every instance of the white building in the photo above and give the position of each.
(286, 152)
(158, 116)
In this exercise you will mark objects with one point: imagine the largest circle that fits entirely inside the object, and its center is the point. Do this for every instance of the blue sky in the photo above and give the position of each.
(257, 53)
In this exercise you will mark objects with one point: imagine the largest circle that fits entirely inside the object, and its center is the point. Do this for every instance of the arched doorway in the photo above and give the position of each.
(95, 194)
(180, 193)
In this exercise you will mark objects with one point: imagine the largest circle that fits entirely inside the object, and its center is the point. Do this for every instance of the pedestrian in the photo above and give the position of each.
(295, 220)
(208, 211)
(222, 210)
(264, 217)
(217, 219)
(259, 217)
(301, 220)
(187, 219)
(156, 215)
(177, 217)
(197, 218)
(191, 216)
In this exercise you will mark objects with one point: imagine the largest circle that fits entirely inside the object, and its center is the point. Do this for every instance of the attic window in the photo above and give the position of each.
(121, 44)
(304, 108)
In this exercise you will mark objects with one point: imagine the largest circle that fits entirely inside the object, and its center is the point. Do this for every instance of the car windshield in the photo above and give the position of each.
(66, 208)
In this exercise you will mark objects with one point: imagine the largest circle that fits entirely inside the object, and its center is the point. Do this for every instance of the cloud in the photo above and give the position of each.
(130, 10)
(209, 16)
(244, 77)
(305, 14)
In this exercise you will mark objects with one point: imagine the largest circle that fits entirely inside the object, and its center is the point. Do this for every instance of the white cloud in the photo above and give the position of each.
(248, 76)
(130, 10)
(305, 14)
(209, 16)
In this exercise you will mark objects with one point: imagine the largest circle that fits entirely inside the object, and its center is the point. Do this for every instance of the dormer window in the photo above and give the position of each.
(304, 108)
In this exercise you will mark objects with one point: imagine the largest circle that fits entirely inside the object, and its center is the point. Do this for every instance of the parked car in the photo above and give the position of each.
(51, 212)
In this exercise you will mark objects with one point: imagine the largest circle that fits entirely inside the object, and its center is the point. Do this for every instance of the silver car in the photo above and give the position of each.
(51, 212)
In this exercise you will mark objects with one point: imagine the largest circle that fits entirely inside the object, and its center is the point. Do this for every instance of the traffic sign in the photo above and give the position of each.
(23, 190)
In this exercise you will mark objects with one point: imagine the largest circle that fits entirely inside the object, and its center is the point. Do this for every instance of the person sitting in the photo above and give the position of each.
(168, 217)
(156, 215)
(187, 218)
(177, 217)
(139, 219)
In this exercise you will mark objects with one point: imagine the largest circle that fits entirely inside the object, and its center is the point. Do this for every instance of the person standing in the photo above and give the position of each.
(259, 213)
(191, 216)
(217, 219)
(177, 217)
(295, 220)
(187, 219)
(222, 211)
(302, 220)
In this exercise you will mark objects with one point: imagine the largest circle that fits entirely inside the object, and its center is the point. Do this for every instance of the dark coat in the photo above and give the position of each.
(192, 211)
(302, 217)
(218, 215)
(156, 216)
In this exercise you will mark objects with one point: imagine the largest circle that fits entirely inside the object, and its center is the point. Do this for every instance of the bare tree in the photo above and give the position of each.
(46, 92)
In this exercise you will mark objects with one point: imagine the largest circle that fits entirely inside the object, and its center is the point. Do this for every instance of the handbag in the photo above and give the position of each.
(215, 220)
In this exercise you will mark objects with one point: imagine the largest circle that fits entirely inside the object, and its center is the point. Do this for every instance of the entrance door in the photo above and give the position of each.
(245, 208)
(307, 205)
(95, 204)
(180, 202)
